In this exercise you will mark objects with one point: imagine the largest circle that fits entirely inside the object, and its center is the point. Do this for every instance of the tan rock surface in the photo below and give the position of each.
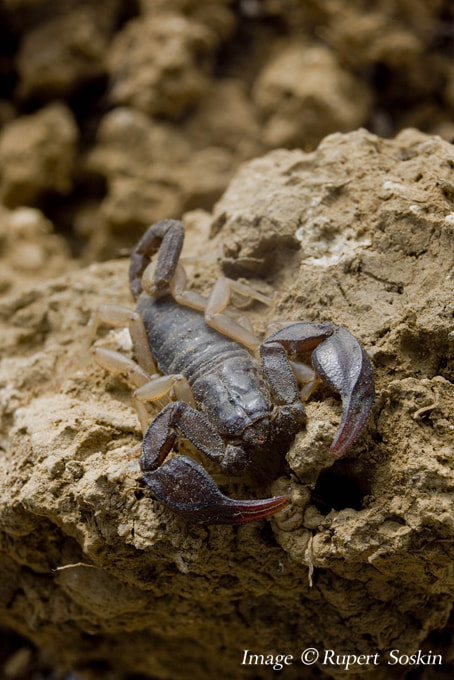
(37, 156)
(106, 580)
(156, 65)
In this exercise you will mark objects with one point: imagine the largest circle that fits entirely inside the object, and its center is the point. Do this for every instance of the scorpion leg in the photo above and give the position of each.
(114, 362)
(159, 387)
(338, 359)
(218, 301)
(182, 483)
(114, 316)
(140, 373)
(214, 306)
(305, 375)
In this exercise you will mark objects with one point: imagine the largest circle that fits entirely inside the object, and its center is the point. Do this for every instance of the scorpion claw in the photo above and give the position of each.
(342, 363)
(183, 485)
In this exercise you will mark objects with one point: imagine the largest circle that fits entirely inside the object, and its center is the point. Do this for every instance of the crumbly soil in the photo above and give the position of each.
(102, 576)
(114, 115)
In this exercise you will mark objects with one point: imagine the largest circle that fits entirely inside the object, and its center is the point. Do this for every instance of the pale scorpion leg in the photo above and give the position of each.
(159, 387)
(218, 301)
(140, 373)
(114, 362)
(181, 483)
(338, 359)
(114, 316)
(215, 304)
(306, 376)
(149, 388)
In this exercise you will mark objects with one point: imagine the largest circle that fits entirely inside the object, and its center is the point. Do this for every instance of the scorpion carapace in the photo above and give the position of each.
(238, 411)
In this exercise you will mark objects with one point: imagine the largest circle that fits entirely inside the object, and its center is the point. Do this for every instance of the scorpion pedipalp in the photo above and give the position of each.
(183, 485)
(338, 359)
(342, 363)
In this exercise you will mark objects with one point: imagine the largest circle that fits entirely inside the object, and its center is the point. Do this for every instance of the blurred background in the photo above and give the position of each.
(119, 113)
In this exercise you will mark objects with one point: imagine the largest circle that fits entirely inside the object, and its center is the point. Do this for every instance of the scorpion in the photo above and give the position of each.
(239, 412)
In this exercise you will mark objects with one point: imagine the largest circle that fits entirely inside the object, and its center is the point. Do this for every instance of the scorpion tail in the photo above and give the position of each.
(184, 486)
(166, 236)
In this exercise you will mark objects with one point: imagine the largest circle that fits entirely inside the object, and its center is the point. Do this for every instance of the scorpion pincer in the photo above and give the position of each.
(241, 413)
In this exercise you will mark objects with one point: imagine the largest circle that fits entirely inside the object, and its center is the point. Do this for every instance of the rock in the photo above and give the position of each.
(153, 171)
(217, 15)
(100, 575)
(29, 246)
(65, 51)
(395, 38)
(37, 154)
(304, 94)
(226, 117)
(137, 157)
(157, 64)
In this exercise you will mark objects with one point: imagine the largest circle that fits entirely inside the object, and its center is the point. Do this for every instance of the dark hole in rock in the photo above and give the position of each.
(344, 485)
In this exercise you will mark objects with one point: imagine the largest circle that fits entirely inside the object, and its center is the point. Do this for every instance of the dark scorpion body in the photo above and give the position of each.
(227, 385)
(239, 412)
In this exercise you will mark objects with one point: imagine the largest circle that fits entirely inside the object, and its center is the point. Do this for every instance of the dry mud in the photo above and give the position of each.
(106, 580)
